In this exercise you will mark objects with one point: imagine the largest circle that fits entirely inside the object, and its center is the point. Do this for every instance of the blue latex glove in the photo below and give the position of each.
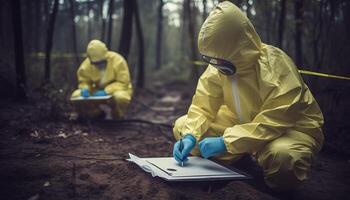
(181, 153)
(99, 93)
(85, 92)
(212, 146)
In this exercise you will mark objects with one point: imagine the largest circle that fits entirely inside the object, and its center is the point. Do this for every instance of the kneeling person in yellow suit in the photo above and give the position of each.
(103, 73)
(250, 100)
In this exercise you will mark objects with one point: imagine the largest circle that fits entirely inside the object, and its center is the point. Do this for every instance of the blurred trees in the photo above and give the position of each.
(159, 35)
(313, 33)
(163, 46)
(126, 29)
(141, 62)
(110, 22)
(74, 33)
(18, 49)
(103, 20)
(189, 11)
(281, 23)
(299, 11)
(49, 40)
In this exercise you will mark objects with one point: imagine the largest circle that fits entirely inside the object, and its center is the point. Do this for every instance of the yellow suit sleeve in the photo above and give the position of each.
(279, 112)
(122, 81)
(205, 104)
(83, 76)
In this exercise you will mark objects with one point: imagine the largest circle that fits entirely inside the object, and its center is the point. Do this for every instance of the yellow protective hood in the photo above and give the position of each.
(96, 51)
(228, 34)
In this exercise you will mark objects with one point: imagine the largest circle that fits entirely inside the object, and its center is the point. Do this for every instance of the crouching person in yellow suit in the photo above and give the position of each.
(103, 73)
(250, 100)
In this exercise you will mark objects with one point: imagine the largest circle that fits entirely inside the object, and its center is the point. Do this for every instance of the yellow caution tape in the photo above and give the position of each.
(198, 62)
(322, 75)
(57, 55)
(306, 72)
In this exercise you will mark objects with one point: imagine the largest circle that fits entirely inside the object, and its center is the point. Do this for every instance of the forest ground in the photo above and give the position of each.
(51, 157)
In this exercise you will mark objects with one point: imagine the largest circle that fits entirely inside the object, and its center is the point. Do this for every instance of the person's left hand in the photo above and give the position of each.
(99, 93)
(212, 146)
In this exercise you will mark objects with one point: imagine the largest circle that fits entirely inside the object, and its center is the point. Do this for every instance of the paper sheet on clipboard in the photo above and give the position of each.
(196, 169)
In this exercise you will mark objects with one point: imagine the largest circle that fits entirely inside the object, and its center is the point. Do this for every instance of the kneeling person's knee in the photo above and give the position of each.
(285, 167)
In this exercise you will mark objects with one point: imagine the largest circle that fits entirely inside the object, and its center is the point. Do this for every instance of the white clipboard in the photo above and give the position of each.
(91, 98)
(195, 169)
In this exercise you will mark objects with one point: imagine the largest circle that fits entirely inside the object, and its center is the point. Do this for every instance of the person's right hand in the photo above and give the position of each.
(85, 92)
(181, 152)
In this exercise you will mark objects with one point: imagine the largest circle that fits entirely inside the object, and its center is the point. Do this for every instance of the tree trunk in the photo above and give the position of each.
(28, 26)
(249, 7)
(18, 47)
(274, 27)
(110, 23)
(268, 24)
(37, 30)
(125, 36)
(89, 29)
(317, 31)
(74, 34)
(281, 23)
(298, 9)
(159, 36)
(183, 30)
(205, 12)
(332, 11)
(191, 30)
(1, 21)
(103, 21)
(141, 71)
(346, 13)
(49, 40)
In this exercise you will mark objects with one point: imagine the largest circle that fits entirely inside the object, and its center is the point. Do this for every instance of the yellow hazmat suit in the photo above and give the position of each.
(265, 109)
(114, 79)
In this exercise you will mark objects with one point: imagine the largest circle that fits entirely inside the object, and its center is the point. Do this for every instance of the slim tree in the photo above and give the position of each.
(89, 26)
(37, 30)
(18, 47)
(281, 23)
(49, 40)
(28, 26)
(268, 11)
(126, 32)
(110, 23)
(192, 36)
(141, 63)
(103, 27)
(205, 12)
(183, 28)
(249, 7)
(159, 35)
(74, 34)
(298, 14)
(317, 30)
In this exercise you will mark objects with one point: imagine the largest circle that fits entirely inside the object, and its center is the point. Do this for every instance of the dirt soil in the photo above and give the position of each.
(42, 157)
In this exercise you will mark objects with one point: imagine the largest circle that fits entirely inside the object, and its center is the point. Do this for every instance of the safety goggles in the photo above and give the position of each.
(222, 65)
(100, 63)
